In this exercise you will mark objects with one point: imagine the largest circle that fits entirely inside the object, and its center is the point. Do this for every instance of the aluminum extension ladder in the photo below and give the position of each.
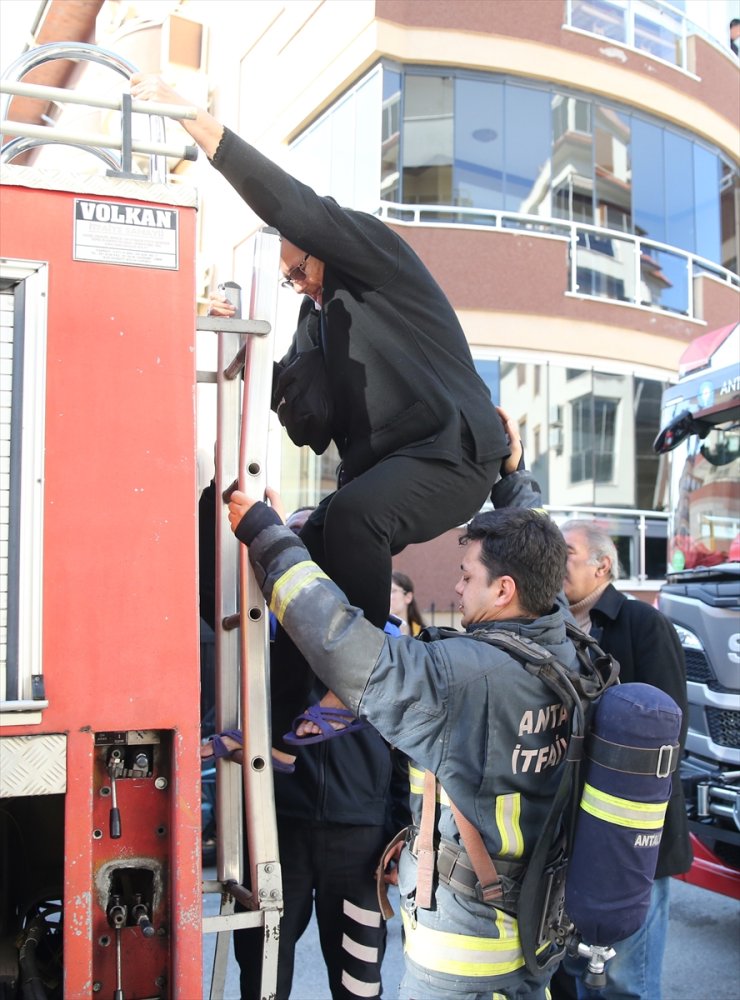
(242, 629)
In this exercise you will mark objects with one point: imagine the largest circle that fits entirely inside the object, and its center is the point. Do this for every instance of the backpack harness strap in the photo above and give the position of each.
(425, 844)
(482, 862)
(468, 869)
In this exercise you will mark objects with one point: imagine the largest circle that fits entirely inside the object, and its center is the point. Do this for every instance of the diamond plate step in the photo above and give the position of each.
(33, 765)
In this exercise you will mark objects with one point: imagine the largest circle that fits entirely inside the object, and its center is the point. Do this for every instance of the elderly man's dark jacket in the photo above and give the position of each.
(647, 648)
(399, 368)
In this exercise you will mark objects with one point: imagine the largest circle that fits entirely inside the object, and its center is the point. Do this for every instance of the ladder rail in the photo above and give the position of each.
(254, 631)
(229, 810)
(242, 653)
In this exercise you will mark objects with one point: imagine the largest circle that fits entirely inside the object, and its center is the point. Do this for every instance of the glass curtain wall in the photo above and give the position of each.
(589, 433)
(484, 141)
(588, 437)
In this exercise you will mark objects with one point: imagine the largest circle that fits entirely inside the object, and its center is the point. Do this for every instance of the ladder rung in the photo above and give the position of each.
(97, 139)
(236, 366)
(221, 324)
(233, 921)
(61, 95)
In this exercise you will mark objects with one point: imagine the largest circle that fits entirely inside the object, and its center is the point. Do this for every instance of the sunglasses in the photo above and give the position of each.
(296, 273)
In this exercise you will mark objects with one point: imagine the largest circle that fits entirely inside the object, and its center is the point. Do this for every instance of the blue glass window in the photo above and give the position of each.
(490, 372)
(706, 202)
(390, 150)
(428, 140)
(728, 187)
(527, 146)
(593, 437)
(479, 144)
(678, 184)
(665, 279)
(648, 203)
(599, 17)
(612, 169)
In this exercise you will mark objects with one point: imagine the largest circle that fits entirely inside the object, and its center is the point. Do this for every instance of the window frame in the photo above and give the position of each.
(22, 689)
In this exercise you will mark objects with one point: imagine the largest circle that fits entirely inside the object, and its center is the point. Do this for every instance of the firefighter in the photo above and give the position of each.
(492, 733)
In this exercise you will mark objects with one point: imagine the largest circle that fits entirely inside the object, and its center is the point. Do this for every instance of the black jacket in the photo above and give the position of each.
(399, 368)
(355, 779)
(647, 648)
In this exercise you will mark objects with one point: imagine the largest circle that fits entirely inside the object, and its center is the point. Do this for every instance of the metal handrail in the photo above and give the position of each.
(638, 518)
(30, 136)
(546, 227)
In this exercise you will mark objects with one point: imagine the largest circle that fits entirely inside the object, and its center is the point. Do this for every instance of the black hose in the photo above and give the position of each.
(32, 986)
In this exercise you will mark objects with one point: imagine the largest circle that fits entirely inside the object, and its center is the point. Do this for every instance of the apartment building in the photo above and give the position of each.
(568, 170)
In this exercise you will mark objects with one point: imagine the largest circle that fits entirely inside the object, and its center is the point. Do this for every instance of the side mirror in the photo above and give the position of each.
(681, 427)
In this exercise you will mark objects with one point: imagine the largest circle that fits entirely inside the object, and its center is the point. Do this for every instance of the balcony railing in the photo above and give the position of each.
(651, 26)
(603, 263)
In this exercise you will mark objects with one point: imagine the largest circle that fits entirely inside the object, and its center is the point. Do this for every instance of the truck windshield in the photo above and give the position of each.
(705, 499)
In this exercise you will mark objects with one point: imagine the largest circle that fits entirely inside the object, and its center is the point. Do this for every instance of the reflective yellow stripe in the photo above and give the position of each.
(290, 583)
(461, 954)
(416, 780)
(623, 812)
(416, 786)
(507, 927)
(508, 814)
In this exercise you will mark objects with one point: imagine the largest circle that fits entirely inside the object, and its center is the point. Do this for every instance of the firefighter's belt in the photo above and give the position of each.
(387, 856)
(455, 869)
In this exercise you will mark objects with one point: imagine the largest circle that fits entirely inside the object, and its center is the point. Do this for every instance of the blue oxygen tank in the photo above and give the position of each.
(631, 752)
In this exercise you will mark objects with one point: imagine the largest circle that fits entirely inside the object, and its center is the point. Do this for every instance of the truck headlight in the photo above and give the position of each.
(687, 638)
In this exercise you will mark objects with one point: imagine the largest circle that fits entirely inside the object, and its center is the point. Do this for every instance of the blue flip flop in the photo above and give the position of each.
(323, 718)
(221, 751)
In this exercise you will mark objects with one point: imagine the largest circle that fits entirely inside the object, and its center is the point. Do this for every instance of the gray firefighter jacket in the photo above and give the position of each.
(493, 734)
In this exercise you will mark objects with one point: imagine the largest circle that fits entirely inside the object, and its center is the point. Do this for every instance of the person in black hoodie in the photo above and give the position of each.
(419, 438)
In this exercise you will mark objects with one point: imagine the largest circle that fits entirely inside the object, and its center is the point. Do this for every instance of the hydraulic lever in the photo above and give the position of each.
(115, 766)
(117, 916)
(140, 913)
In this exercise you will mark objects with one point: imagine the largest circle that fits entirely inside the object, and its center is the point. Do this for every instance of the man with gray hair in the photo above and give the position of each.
(647, 648)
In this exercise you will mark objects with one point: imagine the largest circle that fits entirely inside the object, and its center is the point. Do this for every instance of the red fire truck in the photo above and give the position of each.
(100, 799)
(701, 443)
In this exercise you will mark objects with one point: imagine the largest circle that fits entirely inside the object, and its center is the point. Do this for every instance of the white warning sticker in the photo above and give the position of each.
(137, 235)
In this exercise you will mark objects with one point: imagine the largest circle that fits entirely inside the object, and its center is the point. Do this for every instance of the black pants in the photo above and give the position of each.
(353, 535)
(332, 866)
